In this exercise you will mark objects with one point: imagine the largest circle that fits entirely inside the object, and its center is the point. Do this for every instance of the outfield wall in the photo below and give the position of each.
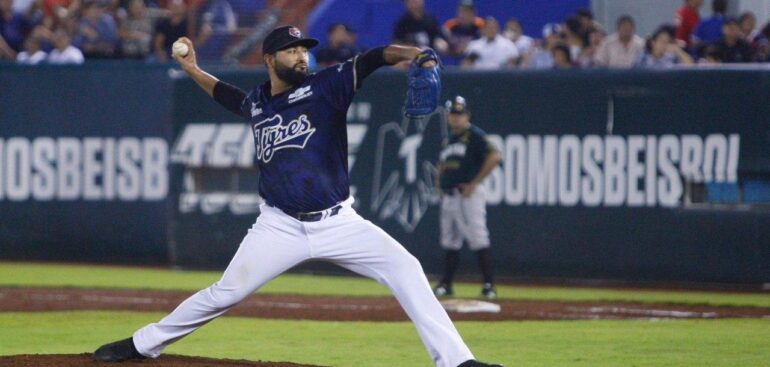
(606, 174)
(83, 163)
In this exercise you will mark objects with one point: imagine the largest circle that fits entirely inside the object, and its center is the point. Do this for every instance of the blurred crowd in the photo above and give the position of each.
(71, 31)
(581, 42)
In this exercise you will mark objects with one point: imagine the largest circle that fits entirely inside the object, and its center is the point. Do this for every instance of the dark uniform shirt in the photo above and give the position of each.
(301, 140)
(463, 157)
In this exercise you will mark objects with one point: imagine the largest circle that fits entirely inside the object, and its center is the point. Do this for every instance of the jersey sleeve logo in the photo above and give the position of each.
(255, 110)
(271, 135)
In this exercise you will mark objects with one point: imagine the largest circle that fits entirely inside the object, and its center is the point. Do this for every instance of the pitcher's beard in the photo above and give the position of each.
(289, 75)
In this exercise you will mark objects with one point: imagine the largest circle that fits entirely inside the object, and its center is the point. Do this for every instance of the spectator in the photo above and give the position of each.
(167, 31)
(762, 44)
(710, 56)
(621, 49)
(710, 30)
(575, 38)
(65, 52)
(515, 33)
(748, 24)
(419, 28)
(492, 51)
(97, 34)
(732, 48)
(562, 57)
(586, 57)
(218, 25)
(662, 52)
(340, 46)
(765, 32)
(219, 15)
(464, 28)
(32, 54)
(14, 28)
(541, 57)
(137, 29)
(687, 18)
(192, 8)
(587, 24)
(762, 49)
(61, 13)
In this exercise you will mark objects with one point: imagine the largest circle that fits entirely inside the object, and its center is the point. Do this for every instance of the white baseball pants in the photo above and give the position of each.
(464, 219)
(277, 242)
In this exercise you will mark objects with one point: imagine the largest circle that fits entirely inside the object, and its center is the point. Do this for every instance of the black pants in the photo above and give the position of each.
(452, 262)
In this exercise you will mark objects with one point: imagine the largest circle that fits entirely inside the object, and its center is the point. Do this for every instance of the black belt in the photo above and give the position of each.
(312, 216)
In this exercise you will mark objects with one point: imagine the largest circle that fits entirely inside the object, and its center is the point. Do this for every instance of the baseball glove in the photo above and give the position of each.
(424, 91)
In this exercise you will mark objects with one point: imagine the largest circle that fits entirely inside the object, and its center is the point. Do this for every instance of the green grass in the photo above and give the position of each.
(85, 276)
(726, 342)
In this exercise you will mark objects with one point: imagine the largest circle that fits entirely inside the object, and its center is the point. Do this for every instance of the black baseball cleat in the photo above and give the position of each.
(489, 291)
(119, 351)
(443, 290)
(475, 363)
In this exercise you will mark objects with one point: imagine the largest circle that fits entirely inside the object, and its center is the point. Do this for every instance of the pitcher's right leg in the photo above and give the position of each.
(360, 246)
(263, 254)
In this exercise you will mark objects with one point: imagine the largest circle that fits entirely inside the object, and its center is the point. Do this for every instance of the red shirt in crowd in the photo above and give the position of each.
(686, 19)
(50, 5)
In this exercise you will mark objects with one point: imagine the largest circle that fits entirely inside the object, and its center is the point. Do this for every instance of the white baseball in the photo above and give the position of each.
(180, 49)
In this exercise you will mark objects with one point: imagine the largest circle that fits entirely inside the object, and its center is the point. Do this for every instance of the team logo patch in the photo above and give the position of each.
(300, 93)
(271, 135)
(294, 32)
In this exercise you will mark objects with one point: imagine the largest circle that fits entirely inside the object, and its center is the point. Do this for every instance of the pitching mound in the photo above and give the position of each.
(85, 360)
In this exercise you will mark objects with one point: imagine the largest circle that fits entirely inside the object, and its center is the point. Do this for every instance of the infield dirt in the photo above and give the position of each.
(316, 308)
(352, 308)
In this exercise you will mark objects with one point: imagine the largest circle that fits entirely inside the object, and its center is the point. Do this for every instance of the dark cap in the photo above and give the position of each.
(457, 105)
(285, 37)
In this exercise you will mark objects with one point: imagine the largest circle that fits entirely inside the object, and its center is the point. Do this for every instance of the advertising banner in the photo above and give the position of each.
(84, 163)
(621, 175)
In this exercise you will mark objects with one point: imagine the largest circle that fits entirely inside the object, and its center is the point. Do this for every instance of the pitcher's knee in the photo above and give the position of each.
(221, 297)
(406, 265)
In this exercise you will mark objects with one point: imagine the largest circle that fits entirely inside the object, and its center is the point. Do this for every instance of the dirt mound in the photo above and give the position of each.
(86, 360)
(353, 308)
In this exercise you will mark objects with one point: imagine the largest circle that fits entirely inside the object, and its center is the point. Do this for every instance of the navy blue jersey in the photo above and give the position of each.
(463, 157)
(301, 139)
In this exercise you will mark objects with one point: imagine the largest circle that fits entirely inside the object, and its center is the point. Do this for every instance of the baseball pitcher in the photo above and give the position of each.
(299, 127)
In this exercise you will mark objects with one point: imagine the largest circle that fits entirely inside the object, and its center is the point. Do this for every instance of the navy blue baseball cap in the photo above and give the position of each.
(457, 105)
(285, 37)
